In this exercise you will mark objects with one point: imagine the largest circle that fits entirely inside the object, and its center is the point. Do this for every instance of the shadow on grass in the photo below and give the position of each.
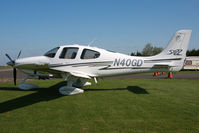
(47, 94)
(134, 89)
(137, 90)
(40, 94)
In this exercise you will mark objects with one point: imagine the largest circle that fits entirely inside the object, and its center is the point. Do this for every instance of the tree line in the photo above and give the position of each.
(193, 52)
(150, 50)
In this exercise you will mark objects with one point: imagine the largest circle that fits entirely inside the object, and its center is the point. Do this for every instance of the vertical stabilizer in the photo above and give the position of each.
(178, 45)
(175, 52)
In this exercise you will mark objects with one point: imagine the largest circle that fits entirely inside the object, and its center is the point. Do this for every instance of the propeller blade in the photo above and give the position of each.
(15, 75)
(9, 58)
(19, 54)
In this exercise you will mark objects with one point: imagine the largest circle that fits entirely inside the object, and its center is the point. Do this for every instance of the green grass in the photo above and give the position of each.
(180, 72)
(112, 105)
(5, 67)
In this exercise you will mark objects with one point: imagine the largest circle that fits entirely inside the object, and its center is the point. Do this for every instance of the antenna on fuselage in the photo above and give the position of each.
(92, 41)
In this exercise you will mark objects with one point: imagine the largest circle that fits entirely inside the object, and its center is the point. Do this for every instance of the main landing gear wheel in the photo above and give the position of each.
(68, 90)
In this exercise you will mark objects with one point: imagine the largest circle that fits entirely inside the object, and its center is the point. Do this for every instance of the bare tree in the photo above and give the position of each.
(157, 50)
(150, 50)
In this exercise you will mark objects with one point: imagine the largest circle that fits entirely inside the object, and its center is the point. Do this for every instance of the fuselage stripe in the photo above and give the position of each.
(83, 64)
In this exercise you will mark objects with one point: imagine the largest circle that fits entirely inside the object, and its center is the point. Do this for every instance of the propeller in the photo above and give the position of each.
(19, 54)
(15, 75)
(12, 63)
(10, 58)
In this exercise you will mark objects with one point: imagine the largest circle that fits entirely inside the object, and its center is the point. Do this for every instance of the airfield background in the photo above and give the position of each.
(191, 63)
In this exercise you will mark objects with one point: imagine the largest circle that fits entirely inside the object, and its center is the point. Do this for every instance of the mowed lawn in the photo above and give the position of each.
(112, 105)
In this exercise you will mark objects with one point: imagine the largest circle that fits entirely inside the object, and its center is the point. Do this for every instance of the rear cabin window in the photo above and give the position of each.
(89, 54)
(68, 53)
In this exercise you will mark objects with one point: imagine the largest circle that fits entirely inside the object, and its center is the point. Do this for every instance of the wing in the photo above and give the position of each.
(75, 73)
(32, 66)
(56, 70)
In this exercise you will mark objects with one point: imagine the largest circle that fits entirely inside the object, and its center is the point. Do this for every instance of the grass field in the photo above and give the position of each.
(5, 67)
(112, 105)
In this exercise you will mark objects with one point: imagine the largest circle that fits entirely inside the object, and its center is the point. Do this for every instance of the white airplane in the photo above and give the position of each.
(76, 63)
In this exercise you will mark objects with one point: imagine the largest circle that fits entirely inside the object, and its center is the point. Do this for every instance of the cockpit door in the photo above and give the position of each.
(69, 53)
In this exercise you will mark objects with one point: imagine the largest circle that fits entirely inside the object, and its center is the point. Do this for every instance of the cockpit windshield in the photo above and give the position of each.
(51, 53)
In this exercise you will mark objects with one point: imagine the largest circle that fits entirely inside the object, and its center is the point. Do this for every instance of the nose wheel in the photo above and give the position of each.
(26, 86)
(69, 89)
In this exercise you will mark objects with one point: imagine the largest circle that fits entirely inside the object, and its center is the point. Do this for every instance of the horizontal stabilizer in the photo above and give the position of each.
(162, 66)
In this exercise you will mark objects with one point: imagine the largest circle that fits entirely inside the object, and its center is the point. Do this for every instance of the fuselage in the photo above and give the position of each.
(93, 61)
(76, 63)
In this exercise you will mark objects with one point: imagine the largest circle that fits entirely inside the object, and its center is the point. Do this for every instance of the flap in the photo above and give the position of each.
(74, 73)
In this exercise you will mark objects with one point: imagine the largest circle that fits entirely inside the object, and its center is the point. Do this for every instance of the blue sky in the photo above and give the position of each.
(35, 26)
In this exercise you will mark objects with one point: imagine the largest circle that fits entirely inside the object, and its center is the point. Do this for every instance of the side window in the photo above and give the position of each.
(89, 54)
(68, 53)
(51, 53)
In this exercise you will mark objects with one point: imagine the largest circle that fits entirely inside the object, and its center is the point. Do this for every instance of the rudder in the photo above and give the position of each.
(178, 45)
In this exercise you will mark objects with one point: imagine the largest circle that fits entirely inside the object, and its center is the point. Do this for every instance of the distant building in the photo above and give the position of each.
(191, 63)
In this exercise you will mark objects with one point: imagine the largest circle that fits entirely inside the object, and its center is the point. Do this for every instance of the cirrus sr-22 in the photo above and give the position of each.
(76, 63)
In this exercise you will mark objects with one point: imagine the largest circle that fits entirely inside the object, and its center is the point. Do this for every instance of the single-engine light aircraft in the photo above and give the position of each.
(76, 63)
